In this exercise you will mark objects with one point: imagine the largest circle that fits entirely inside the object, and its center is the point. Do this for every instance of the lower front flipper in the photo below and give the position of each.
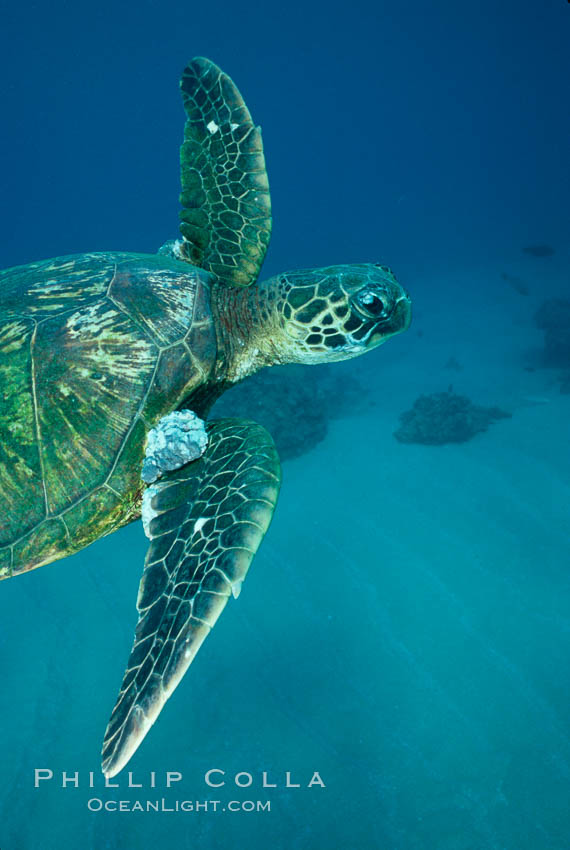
(207, 521)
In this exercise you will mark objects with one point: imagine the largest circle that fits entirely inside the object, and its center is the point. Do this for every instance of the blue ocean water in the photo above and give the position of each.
(404, 628)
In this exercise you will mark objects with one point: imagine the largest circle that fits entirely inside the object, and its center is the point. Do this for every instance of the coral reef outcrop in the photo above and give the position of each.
(553, 318)
(294, 403)
(445, 418)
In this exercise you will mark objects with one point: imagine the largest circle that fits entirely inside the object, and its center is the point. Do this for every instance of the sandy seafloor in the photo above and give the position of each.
(403, 631)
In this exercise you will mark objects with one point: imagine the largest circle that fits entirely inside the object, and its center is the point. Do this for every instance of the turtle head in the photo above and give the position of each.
(340, 311)
(309, 316)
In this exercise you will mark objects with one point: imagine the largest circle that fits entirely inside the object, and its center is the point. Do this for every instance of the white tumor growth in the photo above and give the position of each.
(178, 438)
(212, 127)
(147, 511)
(199, 524)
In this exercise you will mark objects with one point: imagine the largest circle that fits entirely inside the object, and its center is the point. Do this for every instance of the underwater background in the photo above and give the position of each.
(404, 627)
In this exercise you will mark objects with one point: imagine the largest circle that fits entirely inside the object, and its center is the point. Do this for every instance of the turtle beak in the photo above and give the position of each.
(403, 312)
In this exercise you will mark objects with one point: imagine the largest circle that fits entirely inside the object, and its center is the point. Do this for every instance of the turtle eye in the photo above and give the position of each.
(373, 304)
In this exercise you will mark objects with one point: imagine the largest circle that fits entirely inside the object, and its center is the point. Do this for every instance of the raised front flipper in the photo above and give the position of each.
(209, 519)
(226, 208)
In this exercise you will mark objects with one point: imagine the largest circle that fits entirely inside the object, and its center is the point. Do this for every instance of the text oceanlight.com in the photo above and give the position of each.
(95, 804)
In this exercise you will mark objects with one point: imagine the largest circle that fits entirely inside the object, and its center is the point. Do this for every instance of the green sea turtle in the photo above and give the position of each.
(106, 355)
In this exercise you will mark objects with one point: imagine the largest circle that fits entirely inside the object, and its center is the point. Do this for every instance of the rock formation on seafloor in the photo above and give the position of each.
(294, 404)
(553, 318)
(445, 418)
(540, 250)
